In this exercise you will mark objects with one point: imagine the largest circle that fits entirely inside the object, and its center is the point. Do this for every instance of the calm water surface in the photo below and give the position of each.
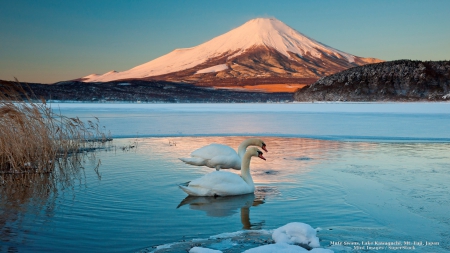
(387, 185)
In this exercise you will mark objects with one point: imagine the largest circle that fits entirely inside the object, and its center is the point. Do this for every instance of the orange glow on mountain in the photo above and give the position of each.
(271, 88)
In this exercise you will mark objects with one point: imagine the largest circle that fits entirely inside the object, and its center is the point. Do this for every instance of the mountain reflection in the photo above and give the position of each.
(226, 206)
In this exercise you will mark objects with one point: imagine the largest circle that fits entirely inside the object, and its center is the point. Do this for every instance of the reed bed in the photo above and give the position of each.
(36, 139)
(41, 153)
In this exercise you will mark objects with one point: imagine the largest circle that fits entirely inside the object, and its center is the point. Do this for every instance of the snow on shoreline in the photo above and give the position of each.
(292, 237)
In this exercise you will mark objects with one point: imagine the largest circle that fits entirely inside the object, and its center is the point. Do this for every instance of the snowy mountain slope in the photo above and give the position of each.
(262, 47)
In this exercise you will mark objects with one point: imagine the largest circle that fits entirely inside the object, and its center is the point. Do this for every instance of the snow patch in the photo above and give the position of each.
(91, 76)
(213, 69)
(274, 248)
(285, 238)
(284, 248)
(164, 246)
(203, 250)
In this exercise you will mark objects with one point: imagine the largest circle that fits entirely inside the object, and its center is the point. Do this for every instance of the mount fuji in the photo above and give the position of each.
(261, 51)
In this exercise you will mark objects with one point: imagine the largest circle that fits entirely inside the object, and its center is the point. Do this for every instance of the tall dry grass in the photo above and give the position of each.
(36, 139)
(41, 152)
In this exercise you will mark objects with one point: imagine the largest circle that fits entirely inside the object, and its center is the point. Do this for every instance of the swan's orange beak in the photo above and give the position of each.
(261, 156)
(264, 148)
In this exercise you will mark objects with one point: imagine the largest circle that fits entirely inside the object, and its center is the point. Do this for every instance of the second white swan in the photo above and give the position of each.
(220, 156)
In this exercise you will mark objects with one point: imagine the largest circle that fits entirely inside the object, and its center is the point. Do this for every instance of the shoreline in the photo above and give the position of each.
(323, 107)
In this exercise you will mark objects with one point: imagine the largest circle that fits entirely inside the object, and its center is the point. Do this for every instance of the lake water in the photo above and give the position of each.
(360, 172)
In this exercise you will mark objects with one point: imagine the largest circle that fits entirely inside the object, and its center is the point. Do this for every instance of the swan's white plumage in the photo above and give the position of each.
(222, 183)
(198, 161)
(220, 156)
(218, 183)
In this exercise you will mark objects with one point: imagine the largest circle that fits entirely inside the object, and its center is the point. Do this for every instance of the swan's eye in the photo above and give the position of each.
(264, 147)
(260, 153)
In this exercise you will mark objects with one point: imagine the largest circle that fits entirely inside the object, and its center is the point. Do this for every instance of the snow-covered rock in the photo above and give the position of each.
(287, 240)
(296, 233)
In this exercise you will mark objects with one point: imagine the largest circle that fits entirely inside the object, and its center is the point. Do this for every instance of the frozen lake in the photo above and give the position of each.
(361, 172)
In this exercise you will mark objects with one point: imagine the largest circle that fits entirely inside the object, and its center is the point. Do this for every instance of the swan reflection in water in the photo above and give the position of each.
(226, 206)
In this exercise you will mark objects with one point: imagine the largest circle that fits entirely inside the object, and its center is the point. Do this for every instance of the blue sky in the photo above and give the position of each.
(49, 41)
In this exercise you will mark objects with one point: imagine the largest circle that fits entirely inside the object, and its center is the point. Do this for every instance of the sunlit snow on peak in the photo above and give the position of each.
(213, 69)
(268, 32)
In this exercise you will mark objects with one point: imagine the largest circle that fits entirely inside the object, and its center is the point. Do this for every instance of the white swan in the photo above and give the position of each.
(220, 156)
(223, 183)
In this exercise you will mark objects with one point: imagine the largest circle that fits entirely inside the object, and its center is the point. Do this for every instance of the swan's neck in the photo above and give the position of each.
(245, 169)
(243, 146)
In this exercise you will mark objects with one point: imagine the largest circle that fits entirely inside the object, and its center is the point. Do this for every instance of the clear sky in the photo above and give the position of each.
(49, 41)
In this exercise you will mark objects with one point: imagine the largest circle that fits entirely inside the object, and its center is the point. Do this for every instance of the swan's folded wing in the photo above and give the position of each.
(196, 191)
(212, 150)
(225, 162)
(194, 161)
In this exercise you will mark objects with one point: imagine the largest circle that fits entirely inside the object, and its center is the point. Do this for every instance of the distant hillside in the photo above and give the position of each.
(402, 80)
(145, 91)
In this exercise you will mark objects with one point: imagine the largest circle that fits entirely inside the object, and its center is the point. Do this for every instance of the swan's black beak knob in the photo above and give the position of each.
(260, 155)
(264, 147)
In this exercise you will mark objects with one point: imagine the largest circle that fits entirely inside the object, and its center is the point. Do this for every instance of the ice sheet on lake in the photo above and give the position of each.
(375, 122)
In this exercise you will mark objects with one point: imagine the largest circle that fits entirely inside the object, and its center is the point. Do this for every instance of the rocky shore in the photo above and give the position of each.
(402, 80)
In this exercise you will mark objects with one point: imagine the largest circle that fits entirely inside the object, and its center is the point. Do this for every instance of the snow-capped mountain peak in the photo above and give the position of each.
(268, 33)
(272, 33)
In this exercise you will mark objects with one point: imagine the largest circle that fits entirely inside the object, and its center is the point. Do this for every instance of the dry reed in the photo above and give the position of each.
(35, 139)
(41, 152)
